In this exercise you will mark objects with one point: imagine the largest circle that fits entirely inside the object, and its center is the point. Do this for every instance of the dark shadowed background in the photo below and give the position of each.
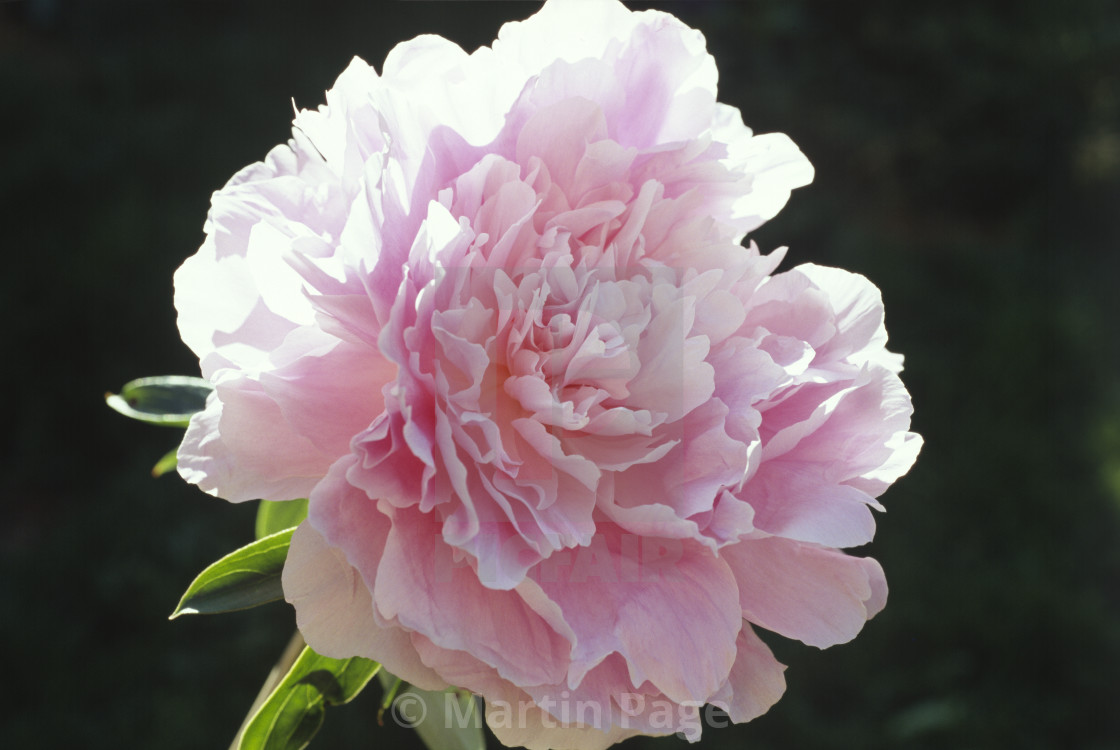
(968, 162)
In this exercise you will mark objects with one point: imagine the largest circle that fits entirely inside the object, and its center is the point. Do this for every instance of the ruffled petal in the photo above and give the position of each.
(670, 592)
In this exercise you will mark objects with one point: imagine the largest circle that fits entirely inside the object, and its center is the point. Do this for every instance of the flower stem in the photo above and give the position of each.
(281, 668)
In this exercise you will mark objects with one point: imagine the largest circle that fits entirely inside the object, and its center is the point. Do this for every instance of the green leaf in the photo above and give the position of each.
(168, 463)
(167, 400)
(277, 515)
(293, 713)
(242, 579)
(445, 720)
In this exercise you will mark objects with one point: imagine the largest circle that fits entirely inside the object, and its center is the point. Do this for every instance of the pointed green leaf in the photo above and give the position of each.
(167, 400)
(168, 463)
(446, 720)
(242, 579)
(277, 515)
(293, 713)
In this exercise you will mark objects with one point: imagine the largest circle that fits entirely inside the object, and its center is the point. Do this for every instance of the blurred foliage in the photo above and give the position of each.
(968, 161)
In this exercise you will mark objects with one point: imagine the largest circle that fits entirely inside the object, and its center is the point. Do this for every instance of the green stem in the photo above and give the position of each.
(281, 668)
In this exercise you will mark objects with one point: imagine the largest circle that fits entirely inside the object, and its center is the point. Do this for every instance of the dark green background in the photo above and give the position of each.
(968, 161)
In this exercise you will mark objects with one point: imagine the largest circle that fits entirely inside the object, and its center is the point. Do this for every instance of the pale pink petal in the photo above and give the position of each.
(858, 311)
(795, 501)
(420, 584)
(853, 433)
(756, 681)
(817, 595)
(331, 396)
(334, 611)
(666, 497)
(241, 448)
(670, 592)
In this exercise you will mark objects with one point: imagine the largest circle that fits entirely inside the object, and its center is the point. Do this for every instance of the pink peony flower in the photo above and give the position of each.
(566, 441)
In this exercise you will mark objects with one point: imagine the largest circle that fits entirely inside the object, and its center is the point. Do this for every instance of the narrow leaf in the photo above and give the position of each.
(167, 400)
(277, 515)
(446, 720)
(242, 579)
(168, 463)
(390, 695)
(293, 713)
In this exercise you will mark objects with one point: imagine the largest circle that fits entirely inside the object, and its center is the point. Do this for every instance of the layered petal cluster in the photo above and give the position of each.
(567, 442)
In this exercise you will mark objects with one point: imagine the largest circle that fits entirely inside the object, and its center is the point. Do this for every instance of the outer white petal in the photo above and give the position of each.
(586, 27)
(776, 167)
